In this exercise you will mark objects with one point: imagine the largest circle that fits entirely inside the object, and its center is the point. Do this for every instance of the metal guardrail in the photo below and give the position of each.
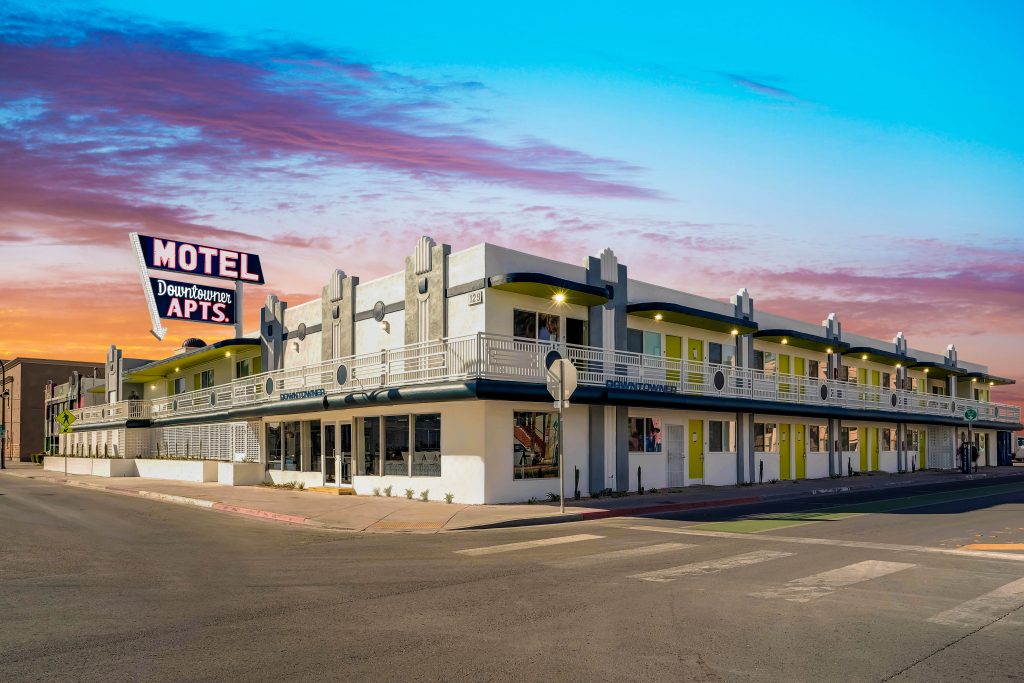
(522, 360)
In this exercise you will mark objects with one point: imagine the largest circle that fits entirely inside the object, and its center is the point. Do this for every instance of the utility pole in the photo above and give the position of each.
(3, 416)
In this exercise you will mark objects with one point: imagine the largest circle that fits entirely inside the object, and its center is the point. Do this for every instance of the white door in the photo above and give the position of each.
(675, 456)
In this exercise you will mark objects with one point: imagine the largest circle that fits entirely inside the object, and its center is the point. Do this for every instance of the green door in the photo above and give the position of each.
(874, 448)
(784, 448)
(674, 350)
(922, 438)
(695, 446)
(784, 387)
(695, 354)
(863, 439)
(800, 446)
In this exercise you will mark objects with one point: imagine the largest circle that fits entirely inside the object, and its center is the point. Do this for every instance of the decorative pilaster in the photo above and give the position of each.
(337, 329)
(272, 333)
(426, 281)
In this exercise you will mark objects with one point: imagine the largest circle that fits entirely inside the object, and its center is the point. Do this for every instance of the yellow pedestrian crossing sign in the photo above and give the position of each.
(65, 420)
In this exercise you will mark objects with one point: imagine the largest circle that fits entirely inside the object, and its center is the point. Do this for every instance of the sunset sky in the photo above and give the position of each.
(863, 158)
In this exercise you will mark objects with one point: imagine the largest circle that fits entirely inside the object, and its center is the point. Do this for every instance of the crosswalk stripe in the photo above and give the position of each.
(984, 609)
(612, 556)
(523, 545)
(819, 585)
(711, 566)
(867, 545)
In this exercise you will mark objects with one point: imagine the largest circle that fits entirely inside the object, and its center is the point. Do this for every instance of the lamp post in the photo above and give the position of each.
(3, 416)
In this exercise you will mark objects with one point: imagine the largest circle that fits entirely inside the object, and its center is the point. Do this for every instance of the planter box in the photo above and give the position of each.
(100, 467)
(240, 473)
(180, 470)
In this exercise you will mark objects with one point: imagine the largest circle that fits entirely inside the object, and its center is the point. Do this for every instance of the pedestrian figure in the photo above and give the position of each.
(975, 454)
(964, 453)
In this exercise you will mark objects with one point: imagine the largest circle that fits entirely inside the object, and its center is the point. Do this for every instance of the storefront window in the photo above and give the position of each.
(274, 446)
(765, 361)
(243, 368)
(534, 325)
(292, 437)
(427, 457)
(371, 444)
(524, 324)
(534, 445)
(314, 446)
(888, 439)
(849, 439)
(766, 437)
(396, 445)
(634, 340)
(652, 344)
(645, 434)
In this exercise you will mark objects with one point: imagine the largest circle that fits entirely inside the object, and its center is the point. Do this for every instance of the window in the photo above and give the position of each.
(314, 446)
(766, 437)
(645, 434)
(292, 438)
(720, 436)
(888, 439)
(534, 445)
(886, 380)
(426, 460)
(817, 438)
(274, 446)
(371, 444)
(765, 361)
(938, 391)
(203, 380)
(913, 440)
(714, 353)
(539, 326)
(178, 386)
(576, 331)
(396, 445)
(634, 340)
(652, 343)
(848, 373)
(813, 368)
(245, 368)
(849, 439)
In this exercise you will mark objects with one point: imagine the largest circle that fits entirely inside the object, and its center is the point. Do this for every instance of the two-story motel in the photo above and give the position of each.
(433, 378)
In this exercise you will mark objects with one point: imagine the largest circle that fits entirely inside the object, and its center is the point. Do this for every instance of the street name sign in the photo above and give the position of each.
(970, 414)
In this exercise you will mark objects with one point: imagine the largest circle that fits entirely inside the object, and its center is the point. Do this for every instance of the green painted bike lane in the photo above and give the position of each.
(770, 521)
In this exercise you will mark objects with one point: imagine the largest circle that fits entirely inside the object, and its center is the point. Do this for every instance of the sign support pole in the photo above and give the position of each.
(239, 326)
(561, 439)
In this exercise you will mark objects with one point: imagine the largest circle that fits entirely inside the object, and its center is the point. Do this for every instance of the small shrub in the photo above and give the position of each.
(449, 497)
(387, 491)
(409, 493)
(302, 486)
(554, 497)
(532, 501)
(596, 494)
(425, 495)
(376, 491)
(652, 490)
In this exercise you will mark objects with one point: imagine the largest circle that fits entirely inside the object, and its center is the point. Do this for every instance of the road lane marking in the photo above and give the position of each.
(984, 609)
(819, 585)
(711, 566)
(993, 546)
(867, 545)
(615, 555)
(524, 545)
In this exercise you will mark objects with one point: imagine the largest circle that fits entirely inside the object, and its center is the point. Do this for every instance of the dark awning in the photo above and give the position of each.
(877, 355)
(991, 380)
(803, 340)
(940, 370)
(550, 287)
(691, 317)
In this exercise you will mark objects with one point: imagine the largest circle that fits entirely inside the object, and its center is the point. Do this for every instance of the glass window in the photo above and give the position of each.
(371, 444)
(851, 373)
(645, 434)
(314, 446)
(766, 361)
(243, 368)
(576, 331)
(817, 437)
(714, 352)
(524, 324)
(427, 457)
(637, 438)
(719, 436)
(292, 438)
(849, 440)
(179, 385)
(548, 327)
(274, 446)
(812, 368)
(534, 445)
(653, 429)
(396, 445)
(766, 437)
(886, 380)
(206, 379)
(634, 340)
(652, 343)
(888, 439)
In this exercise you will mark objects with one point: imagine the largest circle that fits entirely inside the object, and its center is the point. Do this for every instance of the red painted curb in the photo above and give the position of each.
(262, 514)
(669, 507)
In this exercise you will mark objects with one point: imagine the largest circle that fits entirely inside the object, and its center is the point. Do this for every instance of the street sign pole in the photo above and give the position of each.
(561, 439)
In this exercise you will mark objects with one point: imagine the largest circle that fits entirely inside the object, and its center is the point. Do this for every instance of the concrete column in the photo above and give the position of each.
(272, 333)
(426, 284)
(337, 328)
(743, 308)
(606, 325)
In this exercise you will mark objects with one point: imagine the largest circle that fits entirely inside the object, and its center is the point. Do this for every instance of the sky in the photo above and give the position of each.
(859, 158)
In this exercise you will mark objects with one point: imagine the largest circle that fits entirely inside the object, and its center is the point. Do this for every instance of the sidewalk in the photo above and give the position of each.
(369, 513)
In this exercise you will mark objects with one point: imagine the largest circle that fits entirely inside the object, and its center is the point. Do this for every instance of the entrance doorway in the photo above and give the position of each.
(675, 456)
(337, 454)
(696, 448)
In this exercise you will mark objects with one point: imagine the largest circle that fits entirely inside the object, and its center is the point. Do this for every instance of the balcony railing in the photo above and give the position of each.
(523, 360)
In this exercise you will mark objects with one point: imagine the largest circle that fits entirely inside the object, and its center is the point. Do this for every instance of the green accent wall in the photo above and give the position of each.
(695, 446)
(785, 444)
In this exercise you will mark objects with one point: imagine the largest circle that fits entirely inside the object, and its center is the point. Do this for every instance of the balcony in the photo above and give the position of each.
(494, 357)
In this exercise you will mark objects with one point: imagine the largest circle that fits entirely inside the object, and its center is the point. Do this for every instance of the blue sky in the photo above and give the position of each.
(859, 157)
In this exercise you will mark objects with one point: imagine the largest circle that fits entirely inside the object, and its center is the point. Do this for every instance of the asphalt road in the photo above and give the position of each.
(877, 587)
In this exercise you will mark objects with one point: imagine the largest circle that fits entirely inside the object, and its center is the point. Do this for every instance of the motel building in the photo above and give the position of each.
(434, 378)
